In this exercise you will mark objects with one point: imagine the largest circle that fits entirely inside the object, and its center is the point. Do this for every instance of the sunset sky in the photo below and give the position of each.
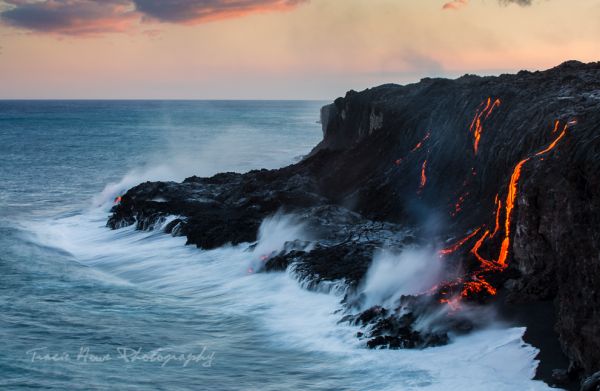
(276, 49)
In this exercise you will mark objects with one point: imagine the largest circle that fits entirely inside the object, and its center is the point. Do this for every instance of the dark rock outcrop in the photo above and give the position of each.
(512, 160)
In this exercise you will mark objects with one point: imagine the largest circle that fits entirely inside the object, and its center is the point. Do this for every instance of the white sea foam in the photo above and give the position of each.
(289, 317)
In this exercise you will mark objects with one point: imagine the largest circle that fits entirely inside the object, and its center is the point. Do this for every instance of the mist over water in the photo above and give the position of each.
(69, 283)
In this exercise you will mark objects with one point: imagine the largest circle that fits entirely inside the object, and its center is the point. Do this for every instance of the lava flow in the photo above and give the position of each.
(498, 211)
(423, 176)
(420, 144)
(458, 206)
(476, 283)
(415, 149)
(459, 244)
(512, 195)
(477, 124)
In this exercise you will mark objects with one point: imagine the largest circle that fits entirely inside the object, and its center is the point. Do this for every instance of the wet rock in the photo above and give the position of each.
(592, 383)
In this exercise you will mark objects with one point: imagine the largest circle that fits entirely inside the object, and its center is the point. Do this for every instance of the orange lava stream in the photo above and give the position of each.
(478, 284)
(458, 205)
(459, 244)
(423, 176)
(551, 146)
(496, 103)
(479, 113)
(510, 204)
(497, 226)
(476, 248)
(512, 195)
(477, 125)
(420, 144)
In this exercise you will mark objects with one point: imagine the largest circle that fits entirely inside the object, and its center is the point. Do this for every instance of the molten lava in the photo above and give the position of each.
(478, 286)
(480, 116)
(498, 211)
(476, 283)
(416, 148)
(423, 176)
(476, 248)
(420, 144)
(458, 205)
(512, 195)
(459, 244)
(510, 204)
(551, 146)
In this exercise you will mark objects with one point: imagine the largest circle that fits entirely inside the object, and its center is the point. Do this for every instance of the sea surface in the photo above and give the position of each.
(86, 308)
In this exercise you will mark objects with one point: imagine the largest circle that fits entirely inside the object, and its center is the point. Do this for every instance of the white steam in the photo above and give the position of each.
(391, 275)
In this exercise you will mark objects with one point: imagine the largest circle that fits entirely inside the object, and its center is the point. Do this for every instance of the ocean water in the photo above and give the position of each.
(83, 307)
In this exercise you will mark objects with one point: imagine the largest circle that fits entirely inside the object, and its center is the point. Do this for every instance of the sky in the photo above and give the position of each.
(276, 49)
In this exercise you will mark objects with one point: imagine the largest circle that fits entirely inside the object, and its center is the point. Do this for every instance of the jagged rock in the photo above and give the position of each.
(592, 383)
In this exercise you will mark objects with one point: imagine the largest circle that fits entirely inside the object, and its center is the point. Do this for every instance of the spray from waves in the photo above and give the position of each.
(182, 158)
(278, 233)
(392, 275)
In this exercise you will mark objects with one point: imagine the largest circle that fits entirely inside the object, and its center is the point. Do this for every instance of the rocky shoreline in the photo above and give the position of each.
(499, 175)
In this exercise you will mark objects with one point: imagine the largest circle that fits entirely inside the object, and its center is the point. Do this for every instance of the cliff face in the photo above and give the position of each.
(499, 172)
(556, 230)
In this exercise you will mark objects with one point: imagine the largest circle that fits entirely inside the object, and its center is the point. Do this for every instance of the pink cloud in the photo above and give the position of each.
(200, 11)
(70, 17)
(455, 4)
(84, 17)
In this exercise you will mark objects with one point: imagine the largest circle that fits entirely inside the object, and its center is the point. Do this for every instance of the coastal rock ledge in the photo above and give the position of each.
(499, 176)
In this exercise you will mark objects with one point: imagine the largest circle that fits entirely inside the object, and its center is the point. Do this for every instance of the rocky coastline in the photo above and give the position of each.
(499, 176)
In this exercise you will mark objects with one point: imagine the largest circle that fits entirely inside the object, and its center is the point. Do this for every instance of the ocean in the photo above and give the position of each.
(84, 307)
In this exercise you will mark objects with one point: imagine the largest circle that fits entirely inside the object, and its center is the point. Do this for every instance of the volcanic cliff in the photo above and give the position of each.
(499, 174)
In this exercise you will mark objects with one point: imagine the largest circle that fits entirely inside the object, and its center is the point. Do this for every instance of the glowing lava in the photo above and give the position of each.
(477, 283)
(512, 195)
(480, 116)
(415, 149)
(478, 286)
(423, 176)
(510, 204)
(458, 205)
(459, 244)
(498, 211)
(551, 146)
(476, 248)
(420, 144)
